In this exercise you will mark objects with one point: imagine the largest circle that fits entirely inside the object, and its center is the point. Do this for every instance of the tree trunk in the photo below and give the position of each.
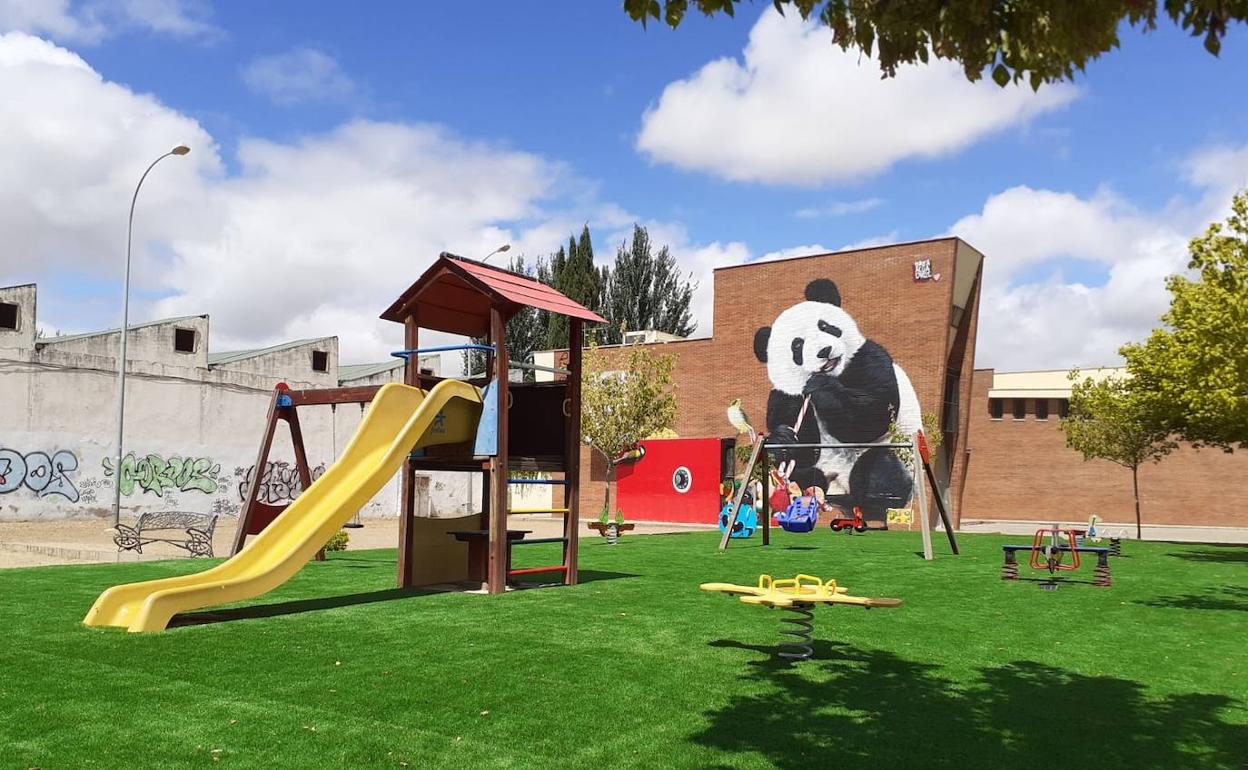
(606, 500)
(1135, 486)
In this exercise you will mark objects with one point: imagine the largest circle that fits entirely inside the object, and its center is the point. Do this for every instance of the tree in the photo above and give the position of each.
(1195, 372)
(1040, 41)
(620, 407)
(1110, 419)
(524, 333)
(572, 272)
(646, 291)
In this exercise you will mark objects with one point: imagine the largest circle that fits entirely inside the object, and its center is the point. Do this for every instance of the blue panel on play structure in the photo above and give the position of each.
(487, 427)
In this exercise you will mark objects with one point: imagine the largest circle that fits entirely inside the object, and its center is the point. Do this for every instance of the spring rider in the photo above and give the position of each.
(797, 596)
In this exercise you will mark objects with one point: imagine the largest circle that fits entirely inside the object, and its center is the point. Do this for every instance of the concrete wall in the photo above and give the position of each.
(192, 430)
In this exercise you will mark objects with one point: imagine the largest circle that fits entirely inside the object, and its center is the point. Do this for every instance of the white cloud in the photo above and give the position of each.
(1032, 314)
(798, 110)
(839, 208)
(91, 22)
(300, 75)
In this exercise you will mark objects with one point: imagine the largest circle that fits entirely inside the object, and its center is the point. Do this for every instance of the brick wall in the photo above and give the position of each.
(1022, 470)
(910, 319)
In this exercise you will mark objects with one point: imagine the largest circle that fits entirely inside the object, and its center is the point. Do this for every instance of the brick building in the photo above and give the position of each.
(1004, 458)
(918, 301)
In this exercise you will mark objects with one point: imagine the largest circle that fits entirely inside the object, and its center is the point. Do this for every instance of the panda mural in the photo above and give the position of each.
(815, 348)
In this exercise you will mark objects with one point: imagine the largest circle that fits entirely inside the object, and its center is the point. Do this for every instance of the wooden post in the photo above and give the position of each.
(498, 480)
(407, 506)
(920, 493)
(572, 453)
(766, 498)
(253, 489)
(291, 414)
(736, 499)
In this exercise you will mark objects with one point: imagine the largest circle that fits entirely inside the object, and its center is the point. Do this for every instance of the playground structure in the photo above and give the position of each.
(801, 515)
(485, 425)
(1049, 550)
(798, 596)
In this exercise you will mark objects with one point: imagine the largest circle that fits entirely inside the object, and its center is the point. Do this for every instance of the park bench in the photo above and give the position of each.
(190, 531)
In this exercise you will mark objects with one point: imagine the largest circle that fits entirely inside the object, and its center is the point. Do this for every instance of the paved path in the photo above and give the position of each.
(35, 543)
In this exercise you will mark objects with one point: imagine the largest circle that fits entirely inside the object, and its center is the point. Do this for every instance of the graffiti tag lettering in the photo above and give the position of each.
(279, 483)
(42, 474)
(156, 474)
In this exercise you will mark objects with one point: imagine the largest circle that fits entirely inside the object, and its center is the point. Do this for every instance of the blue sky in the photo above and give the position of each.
(1082, 195)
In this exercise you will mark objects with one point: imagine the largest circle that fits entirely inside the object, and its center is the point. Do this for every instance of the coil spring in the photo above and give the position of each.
(1115, 546)
(802, 628)
(1102, 576)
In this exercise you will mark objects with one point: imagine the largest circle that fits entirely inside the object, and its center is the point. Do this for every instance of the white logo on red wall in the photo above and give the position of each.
(682, 479)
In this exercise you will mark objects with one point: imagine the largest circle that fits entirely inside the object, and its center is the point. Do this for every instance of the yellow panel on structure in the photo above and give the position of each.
(399, 419)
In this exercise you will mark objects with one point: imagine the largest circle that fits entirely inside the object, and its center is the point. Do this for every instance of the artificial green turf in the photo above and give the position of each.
(637, 668)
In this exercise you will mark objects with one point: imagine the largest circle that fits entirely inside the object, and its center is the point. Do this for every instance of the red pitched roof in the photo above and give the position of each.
(455, 295)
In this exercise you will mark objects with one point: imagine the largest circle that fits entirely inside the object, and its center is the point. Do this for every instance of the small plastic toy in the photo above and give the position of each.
(850, 524)
(747, 518)
(797, 595)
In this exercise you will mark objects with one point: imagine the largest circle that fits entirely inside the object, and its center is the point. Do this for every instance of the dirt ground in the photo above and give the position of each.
(36, 543)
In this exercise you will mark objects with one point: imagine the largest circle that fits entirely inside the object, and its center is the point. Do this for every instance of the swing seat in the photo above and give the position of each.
(801, 516)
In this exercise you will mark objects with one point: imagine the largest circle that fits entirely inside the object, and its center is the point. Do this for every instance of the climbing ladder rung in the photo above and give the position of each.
(535, 570)
(537, 510)
(536, 540)
(559, 482)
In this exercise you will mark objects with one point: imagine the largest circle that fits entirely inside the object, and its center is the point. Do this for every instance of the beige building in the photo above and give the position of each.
(193, 419)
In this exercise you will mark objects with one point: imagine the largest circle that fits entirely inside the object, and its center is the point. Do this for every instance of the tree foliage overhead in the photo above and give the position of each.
(623, 402)
(645, 291)
(1111, 419)
(1040, 41)
(1196, 370)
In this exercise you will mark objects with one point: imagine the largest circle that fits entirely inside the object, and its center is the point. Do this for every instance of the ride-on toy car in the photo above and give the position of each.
(850, 524)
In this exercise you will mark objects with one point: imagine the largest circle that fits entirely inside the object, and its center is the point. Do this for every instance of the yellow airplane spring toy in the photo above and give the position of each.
(797, 595)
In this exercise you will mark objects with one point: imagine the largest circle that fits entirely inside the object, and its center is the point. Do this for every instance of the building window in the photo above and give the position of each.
(1063, 408)
(953, 387)
(426, 371)
(1042, 409)
(996, 408)
(320, 361)
(1020, 409)
(8, 316)
(184, 340)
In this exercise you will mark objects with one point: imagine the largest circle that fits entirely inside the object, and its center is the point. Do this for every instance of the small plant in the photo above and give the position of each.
(338, 542)
(931, 432)
(604, 516)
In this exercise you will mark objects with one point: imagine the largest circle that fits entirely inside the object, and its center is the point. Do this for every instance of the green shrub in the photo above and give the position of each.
(338, 542)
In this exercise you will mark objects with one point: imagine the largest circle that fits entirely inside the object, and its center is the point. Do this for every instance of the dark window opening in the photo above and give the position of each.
(953, 387)
(1063, 408)
(426, 371)
(184, 340)
(1042, 409)
(1020, 408)
(8, 316)
(996, 408)
(320, 361)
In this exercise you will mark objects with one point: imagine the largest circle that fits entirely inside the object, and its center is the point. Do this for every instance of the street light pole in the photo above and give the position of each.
(125, 328)
(499, 250)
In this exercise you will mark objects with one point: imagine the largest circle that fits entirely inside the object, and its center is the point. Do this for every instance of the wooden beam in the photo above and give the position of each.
(301, 457)
(361, 394)
(498, 478)
(920, 493)
(407, 494)
(253, 489)
(572, 453)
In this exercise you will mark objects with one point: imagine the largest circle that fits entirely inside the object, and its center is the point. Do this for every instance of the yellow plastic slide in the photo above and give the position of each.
(399, 419)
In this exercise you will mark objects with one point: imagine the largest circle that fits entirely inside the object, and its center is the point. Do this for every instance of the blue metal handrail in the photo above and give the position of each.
(441, 349)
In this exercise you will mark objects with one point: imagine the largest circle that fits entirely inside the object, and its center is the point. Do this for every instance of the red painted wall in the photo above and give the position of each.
(648, 488)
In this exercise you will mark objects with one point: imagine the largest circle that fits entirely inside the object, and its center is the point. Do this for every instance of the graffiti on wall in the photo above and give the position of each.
(280, 482)
(39, 472)
(158, 475)
(847, 389)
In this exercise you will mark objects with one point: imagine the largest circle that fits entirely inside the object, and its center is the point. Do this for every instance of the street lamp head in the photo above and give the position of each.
(181, 149)
(505, 247)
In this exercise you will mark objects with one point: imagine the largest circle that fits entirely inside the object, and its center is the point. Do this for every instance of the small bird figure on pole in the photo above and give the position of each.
(739, 420)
